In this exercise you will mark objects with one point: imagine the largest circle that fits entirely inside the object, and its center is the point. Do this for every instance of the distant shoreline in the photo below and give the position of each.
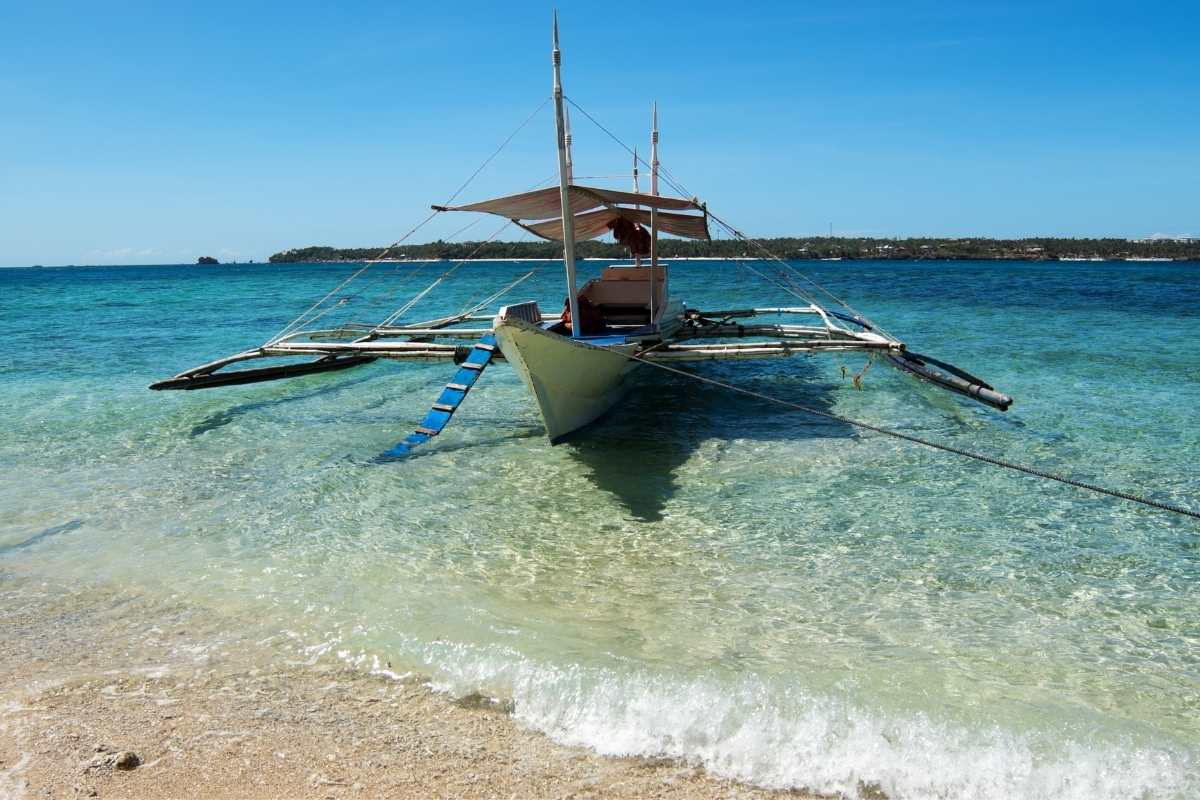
(790, 248)
(1181, 249)
(673, 259)
(666, 259)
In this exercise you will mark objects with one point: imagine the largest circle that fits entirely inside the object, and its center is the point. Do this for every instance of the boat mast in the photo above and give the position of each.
(637, 257)
(653, 209)
(564, 184)
(567, 139)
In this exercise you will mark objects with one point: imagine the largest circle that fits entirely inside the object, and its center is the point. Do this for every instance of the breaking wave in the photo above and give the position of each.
(782, 737)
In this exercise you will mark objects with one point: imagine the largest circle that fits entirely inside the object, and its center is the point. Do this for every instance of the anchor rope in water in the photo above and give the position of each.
(791, 288)
(998, 462)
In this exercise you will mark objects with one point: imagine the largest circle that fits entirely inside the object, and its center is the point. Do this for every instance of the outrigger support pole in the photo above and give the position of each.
(949, 377)
(240, 377)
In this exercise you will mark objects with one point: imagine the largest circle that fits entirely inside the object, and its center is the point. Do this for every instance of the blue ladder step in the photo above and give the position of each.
(450, 399)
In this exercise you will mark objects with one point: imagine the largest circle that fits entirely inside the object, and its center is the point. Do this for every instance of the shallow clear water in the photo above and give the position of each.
(705, 575)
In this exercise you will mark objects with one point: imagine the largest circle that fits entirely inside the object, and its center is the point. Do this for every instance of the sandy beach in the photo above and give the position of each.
(90, 706)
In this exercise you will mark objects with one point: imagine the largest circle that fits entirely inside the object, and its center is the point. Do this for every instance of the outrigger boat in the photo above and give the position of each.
(576, 364)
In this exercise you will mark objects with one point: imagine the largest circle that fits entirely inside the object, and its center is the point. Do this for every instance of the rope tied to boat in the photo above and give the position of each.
(858, 376)
(947, 448)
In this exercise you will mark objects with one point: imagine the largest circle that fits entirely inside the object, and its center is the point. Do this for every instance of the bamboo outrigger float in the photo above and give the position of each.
(575, 365)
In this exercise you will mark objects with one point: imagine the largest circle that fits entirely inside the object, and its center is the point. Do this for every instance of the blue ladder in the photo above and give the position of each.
(450, 398)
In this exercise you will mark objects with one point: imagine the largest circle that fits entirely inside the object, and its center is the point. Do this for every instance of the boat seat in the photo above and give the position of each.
(622, 294)
(624, 313)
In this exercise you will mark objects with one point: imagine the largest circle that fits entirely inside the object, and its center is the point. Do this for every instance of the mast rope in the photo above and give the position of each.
(421, 294)
(785, 267)
(421, 265)
(299, 322)
(391, 292)
(296, 323)
(489, 159)
(471, 308)
(302, 320)
(994, 461)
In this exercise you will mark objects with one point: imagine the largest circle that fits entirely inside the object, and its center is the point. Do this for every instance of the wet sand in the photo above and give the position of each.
(83, 685)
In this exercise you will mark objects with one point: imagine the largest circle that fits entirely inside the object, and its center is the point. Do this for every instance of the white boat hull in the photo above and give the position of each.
(573, 383)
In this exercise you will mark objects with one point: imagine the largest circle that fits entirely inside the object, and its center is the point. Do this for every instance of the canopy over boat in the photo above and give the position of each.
(540, 211)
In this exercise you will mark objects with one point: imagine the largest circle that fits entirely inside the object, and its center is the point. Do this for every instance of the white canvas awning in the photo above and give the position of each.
(545, 203)
(612, 196)
(592, 224)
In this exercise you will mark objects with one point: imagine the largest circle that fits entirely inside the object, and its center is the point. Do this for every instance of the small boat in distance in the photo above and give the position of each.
(575, 363)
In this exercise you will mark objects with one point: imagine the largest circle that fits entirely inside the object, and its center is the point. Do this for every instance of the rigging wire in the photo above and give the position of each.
(471, 308)
(389, 294)
(503, 144)
(299, 322)
(784, 267)
(420, 295)
(302, 320)
(992, 460)
(770, 256)
(295, 324)
(393, 317)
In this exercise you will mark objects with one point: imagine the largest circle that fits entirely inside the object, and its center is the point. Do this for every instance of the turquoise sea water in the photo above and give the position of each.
(783, 599)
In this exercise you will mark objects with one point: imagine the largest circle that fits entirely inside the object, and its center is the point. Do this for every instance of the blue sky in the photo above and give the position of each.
(155, 133)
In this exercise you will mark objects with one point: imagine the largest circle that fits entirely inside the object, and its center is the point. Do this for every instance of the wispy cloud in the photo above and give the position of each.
(125, 252)
(158, 255)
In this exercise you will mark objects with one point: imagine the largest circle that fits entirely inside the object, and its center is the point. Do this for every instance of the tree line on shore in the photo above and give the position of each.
(1039, 249)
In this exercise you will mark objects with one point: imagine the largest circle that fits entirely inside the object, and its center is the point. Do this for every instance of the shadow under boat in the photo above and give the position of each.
(634, 451)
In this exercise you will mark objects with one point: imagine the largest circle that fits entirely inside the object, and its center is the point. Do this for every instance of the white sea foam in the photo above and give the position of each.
(786, 738)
